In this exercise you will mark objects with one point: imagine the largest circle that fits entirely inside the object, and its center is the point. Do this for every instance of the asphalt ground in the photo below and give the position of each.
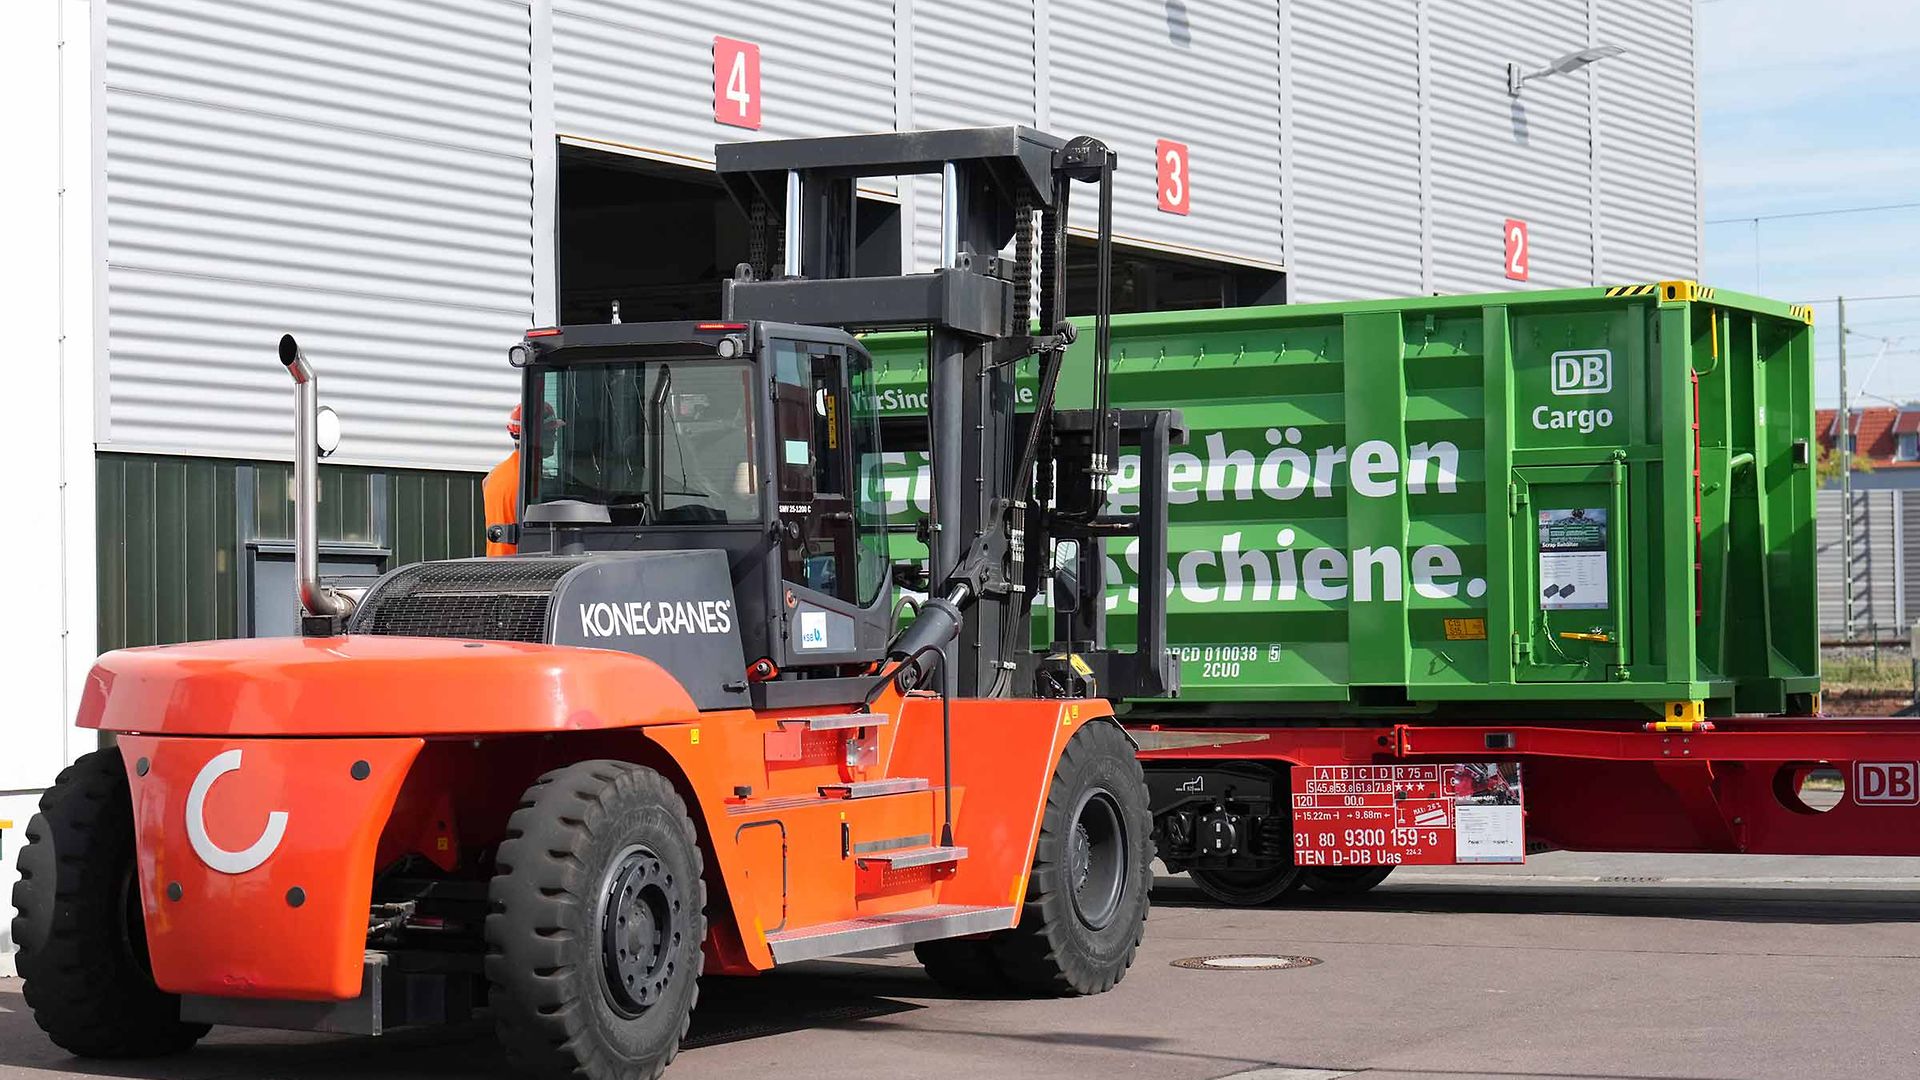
(1584, 967)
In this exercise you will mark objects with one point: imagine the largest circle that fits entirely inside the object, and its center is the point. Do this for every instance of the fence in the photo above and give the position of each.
(1869, 589)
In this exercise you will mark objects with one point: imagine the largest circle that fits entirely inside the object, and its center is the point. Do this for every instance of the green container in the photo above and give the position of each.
(1586, 501)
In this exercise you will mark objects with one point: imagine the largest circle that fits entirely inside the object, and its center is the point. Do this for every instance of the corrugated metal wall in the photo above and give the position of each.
(1495, 156)
(639, 73)
(1648, 106)
(1352, 146)
(358, 173)
(175, 533)
(1405, 153)
(1203, 74)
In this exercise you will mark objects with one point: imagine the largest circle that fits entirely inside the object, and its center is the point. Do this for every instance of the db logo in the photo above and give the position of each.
(1582, 371)
(1886, 782)
(215, 856)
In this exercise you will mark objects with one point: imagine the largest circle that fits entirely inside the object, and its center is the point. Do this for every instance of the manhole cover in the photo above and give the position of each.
(1246, 962)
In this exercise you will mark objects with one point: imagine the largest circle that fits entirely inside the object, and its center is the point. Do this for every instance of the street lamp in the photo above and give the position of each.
(1561, 65)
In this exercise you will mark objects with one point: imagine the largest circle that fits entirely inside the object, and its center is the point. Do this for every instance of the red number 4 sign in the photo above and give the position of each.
(736, 83)
(1171, 156)
(1518, 250)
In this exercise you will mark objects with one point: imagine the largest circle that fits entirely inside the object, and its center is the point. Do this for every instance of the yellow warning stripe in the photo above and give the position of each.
(1802, 312)
(1631, 290)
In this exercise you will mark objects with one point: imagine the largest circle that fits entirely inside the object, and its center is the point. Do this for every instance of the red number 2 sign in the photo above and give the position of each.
(736, 83)
(1517, 249)
(1172, 163)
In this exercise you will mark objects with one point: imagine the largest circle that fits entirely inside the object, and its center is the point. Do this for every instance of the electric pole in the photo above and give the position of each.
(1843, 441)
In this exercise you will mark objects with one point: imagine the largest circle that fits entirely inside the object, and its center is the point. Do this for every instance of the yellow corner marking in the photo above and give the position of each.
(693, 736)
(1803, 312)
(1685, 291)
(1682, 716)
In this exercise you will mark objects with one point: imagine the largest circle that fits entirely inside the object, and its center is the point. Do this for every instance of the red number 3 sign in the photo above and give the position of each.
(1172, 159)
(736, 83)
(1517, 250)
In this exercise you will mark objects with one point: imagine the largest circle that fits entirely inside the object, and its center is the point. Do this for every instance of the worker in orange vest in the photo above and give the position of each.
(500, 493)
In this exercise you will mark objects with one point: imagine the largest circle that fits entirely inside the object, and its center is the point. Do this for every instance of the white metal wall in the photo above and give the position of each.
(1886, 558)
(1649, 124)
(1203, 74)
(1353, 191)
(357, 173)
(1405, 153)
(639, 73)
(1495, 156)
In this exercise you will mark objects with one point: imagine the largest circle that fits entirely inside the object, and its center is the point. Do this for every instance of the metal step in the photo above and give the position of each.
(867, 789)
(838, 721)
(887, 931)
(905, 858)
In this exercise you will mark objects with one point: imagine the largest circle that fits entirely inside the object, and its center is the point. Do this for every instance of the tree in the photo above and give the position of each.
(1826, 467)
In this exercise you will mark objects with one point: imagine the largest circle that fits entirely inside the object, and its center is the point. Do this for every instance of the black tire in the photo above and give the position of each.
(1086, 907)
(596, 924)
(82, 937)
(1246, 888)
(967, 965)
(1344, 880)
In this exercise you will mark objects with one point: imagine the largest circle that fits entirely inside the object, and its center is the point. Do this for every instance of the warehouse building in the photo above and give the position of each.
(408, 186)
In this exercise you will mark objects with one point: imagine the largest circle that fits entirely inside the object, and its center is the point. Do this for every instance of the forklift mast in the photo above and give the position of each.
(1005, 484)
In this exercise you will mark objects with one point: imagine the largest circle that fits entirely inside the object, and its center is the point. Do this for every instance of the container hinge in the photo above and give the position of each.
(1516, 500)
(1522, 651)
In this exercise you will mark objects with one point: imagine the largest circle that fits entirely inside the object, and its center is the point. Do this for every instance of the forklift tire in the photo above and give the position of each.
(1246, 888)
(81, 933)
(1344, 880)
(1086, 907)
(965, 965)
(597, 915)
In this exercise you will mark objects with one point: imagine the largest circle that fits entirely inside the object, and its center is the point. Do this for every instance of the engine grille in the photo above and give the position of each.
(491, 599)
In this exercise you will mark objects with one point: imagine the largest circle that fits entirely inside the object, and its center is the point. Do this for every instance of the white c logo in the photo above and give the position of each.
(215, 856)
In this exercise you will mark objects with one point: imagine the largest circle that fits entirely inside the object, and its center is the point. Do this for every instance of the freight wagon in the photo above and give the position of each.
(1450, 577)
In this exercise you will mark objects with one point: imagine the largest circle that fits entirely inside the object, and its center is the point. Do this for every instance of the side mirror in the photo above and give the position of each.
(326, 431)
(1066, 575)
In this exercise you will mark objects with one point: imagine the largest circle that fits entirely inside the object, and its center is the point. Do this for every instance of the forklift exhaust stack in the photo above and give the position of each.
(323, 611)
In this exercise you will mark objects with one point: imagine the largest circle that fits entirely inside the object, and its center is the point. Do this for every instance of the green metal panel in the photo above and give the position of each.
(172, 545)
(1356, 521)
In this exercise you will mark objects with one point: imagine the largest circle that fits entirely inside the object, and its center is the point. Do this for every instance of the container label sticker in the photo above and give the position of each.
(1573, 559)
(1389, 815)
(1465, 629)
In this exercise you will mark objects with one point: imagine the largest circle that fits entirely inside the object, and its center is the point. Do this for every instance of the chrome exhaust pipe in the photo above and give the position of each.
(324, 610)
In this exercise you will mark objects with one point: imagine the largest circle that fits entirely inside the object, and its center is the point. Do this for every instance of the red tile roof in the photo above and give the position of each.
(1876, 430)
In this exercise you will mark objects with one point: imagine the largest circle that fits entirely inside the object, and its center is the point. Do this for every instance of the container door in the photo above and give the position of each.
(1570, 530)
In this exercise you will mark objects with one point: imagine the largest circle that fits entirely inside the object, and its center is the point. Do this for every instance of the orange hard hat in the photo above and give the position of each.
(549, 421)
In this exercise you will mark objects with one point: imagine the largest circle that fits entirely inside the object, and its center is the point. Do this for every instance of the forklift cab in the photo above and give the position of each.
(756, 438)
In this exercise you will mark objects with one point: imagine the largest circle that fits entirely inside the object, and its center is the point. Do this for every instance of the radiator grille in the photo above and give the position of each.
(491, 599)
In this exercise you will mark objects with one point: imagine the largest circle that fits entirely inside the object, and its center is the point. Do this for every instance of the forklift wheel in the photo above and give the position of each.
(596, 924)
(1246, 888)
(1086, 903)
(1344, 880)
(82, 937)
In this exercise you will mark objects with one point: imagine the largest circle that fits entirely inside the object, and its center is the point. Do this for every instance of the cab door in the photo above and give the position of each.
(1570, 536)
(825, 556)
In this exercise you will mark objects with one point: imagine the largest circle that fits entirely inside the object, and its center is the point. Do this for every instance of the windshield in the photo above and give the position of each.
(656, 441)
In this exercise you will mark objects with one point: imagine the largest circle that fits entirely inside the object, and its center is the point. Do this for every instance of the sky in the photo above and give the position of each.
(1815, 106)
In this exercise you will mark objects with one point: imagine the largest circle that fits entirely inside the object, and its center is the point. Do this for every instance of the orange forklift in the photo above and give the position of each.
(687, 730)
